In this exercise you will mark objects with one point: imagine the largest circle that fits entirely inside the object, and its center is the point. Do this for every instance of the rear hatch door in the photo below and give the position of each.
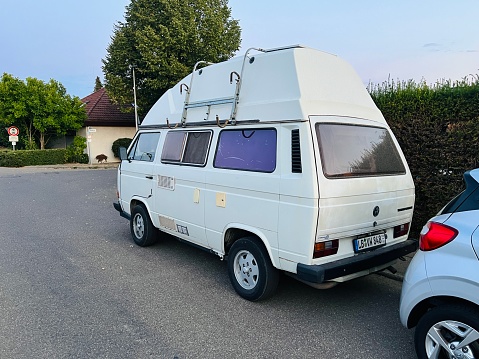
(365, 186)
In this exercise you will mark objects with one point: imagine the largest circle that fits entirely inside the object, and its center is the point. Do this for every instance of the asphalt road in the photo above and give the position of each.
(74, 285)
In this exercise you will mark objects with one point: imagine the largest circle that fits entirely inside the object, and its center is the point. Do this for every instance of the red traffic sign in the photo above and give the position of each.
(13, 131)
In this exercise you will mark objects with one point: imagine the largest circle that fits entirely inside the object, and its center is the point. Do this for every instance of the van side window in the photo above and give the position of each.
(186, 147)
(144, 148)
(248, 150)
(358, 151)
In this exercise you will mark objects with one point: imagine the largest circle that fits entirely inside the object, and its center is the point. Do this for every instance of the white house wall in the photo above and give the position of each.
(101, 138)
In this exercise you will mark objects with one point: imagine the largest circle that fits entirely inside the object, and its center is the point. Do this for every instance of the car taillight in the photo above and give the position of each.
(401, 230)
(435, 235)
(323, 249)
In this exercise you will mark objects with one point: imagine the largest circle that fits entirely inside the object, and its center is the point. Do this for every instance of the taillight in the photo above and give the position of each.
(401, 230)
(323, 249)
(435, 235)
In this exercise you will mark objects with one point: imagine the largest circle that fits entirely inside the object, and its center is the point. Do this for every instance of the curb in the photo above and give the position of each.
(77, 166)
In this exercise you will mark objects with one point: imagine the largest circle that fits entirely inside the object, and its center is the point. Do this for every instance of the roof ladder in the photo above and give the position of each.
(239, 78)
(188, 92)
(234, 100)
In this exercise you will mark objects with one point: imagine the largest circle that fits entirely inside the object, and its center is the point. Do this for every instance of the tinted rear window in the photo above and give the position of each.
(357, 151)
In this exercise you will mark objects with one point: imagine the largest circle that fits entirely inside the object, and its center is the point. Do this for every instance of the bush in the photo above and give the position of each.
(121, 142)
(438, 129)
(75, 152)
(22, 158)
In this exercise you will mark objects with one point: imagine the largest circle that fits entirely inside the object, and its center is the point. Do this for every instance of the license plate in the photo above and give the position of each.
(369, 242)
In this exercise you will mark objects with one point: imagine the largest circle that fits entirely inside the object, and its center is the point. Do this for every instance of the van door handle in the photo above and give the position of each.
(149, 177)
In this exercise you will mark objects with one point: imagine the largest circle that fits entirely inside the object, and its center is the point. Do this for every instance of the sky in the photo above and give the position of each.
(428, 40)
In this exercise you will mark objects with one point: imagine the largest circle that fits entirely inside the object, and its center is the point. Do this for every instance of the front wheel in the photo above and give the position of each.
(142, 230)
(250, 270)
(448, 331)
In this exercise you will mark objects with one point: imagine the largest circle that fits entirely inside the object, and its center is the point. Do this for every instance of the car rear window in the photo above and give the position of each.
(357, 151)
(467, 200)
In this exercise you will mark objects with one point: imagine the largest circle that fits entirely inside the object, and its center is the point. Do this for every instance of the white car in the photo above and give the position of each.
(440, 294)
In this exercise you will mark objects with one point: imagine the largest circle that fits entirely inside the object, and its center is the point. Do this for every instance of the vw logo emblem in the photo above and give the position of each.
(376, 211)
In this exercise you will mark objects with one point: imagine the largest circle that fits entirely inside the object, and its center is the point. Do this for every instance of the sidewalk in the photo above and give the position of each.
(105, 165)
(65, 167)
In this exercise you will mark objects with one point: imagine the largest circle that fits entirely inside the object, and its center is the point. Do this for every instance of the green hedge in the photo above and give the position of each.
(437, 128)
(22, 158)
(121, 142)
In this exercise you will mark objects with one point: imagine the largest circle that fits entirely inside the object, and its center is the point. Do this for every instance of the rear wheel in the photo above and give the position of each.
(142, 230)
(448, 331)
(250, 270)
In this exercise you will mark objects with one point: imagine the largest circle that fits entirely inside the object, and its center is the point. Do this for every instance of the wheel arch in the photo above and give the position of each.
(237, 231)
(135, 201)
(429, 303)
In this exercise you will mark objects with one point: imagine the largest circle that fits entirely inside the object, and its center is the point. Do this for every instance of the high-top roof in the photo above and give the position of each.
(290, 83)
(102, 112)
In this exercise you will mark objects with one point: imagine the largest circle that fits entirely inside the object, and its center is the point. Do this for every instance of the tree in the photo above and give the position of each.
(162, 40)
(98, 84)
(39, 109)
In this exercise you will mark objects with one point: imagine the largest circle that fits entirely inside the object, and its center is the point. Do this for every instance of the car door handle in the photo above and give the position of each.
(149, 177)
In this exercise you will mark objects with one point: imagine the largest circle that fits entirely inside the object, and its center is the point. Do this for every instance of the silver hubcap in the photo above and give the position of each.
(246, 269)
(138, 226)
(453, 338)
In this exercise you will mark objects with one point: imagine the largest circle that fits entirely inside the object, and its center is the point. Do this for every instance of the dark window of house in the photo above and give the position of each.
(144, 148)
(186, 147)
(248, 150)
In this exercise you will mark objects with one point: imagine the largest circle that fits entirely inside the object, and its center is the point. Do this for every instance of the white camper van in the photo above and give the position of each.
(278, 160)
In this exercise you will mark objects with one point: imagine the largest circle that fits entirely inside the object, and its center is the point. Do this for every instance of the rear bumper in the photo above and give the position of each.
(328, 271)
(117, 206)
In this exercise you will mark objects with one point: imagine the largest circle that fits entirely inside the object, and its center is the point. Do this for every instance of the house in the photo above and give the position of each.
(105, 124)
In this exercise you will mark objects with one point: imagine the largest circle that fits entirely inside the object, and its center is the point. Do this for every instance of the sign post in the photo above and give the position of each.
(13, 133)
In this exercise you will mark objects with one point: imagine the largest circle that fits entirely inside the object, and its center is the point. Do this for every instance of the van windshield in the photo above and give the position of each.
(357, 151)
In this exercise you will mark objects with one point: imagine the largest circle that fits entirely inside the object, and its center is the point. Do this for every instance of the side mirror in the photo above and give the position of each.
(123, 155)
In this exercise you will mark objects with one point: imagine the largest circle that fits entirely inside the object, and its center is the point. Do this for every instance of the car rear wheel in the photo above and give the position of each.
(448, 331)
(142, 230)
(250, 270)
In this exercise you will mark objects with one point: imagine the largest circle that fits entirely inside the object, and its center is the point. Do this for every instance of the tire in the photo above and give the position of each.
(250, 270)
(441, 330)
(142, 230)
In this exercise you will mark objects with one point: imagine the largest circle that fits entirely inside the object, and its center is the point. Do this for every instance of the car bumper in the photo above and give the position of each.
(117, 206)
(343, 267)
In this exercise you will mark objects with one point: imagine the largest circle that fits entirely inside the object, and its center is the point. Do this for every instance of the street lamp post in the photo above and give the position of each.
(134, 97)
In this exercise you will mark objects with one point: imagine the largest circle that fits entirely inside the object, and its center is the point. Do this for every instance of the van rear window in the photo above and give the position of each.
(357, 151)
(248, 150)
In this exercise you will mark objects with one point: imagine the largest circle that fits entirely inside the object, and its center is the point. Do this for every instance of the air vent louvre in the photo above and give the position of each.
(295, 152)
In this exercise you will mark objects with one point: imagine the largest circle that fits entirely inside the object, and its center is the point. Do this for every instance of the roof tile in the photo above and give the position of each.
(101, 111)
